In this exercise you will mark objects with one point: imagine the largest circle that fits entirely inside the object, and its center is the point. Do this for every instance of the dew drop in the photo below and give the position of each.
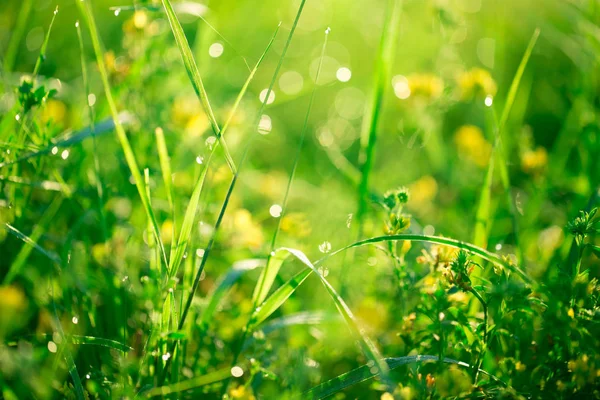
(18, 117)
(166, 356)
(343, 74)
(275, 211)
(324, 271)
(489, 100)
(117, 12)
(237, 371)
(55, 150)
(210, 142)
(215, 50)
(200, 253)
(263, 96)
(199, 160)
(87, 376)
(91, 99)
(349, 220)
(52, 347)
(498, 247)
(65, 154)
(75, 320)
(325, 247)
(265, 125)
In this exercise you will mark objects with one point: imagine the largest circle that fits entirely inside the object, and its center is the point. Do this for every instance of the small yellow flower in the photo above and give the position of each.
(427, 86)
(296, 224)
(534, 161)
(472, 145)
(196, 125)
(476, 82)
(166, 231)
(387, 396)
(241, 392)
(423, 190)
(55, 111)
(140, 19)
(571, 313)
(519, 366)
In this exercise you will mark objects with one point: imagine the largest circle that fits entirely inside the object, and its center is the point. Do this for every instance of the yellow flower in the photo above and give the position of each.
(472, 145)
(196, 125)
(387, 396)
(54, 110)
(519, 366)
(184, 108)
(13, 305)
(166, 231)
(427, 86)
(296, 224)
(534, 161)
(476, 82)
(422, 190)
(100, 253)
(244, 231)
(241, 392)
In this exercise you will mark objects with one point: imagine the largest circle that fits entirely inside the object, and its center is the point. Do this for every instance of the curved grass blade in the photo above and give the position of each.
(124, 141)
(367, 346)
(18, 31)
(268, 275)
(224, 284)
(276, 300)
(301, 318)
(42, 55)
(194, 75)
(105, 126)
(364, 373)
(38, 231)
(96, 341)
(491, 257)
(189, 384)
(52, 186)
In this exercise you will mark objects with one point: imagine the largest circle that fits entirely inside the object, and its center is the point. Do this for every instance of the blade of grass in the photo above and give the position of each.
(38, 231)
(371, 119)
(51, 256)
(268, 275)
(364, 373)
(211, 241)
(17, 35)
(367, 346)
(122, 136)
(90, 107)
(483, 253)
(189, 384)
(45, 185)
(167, 175)
(483, 217)
(194, 75)
(42, 56)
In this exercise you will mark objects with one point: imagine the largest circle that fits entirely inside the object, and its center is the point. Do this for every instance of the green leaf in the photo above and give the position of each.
(189, 384)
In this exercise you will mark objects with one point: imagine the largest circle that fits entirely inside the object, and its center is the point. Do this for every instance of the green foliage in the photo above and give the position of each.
(294, 272)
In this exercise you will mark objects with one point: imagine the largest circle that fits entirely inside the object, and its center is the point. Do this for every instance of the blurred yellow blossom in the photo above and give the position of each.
(196, 125)
(244, 230)
(373, 314)
(472, 145)
(427, 86)
(13, 304)
(296, 224)
(241, 392)
(476, 82)
(423, 190)
(387, 396)
(166, 231)
(534, 161)
(54, 110)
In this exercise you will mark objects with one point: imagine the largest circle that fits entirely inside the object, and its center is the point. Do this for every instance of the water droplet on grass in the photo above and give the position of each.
(117, 12)
(325, 247)
(265, 125)
(489, 100)
(52, 347)
(263, 96)
(237, 371)
(343, 74)
(65, 154)
(275, 211)
(166, 356)
(210, 142)
(324, 271)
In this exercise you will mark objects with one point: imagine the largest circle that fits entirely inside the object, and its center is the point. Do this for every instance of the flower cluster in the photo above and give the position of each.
(393, 202)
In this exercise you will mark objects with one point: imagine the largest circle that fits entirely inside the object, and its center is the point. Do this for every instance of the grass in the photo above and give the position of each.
(411, 213)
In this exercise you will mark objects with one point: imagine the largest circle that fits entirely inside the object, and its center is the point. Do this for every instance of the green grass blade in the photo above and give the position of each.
(194, 75)
(276, 300)
(223, 286)
(51, 256)
(301, 318)
(18, 31)
(364, 373)
(268, 275)
(52, 186)
(483, 253)
(483, 215)
(165, 164)
(371, 119)
(38, 231)
(122, 136)
(96, 341)
(275, 259)
(367, 346)
(194, 383)
(188, 222)
(42, 55)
